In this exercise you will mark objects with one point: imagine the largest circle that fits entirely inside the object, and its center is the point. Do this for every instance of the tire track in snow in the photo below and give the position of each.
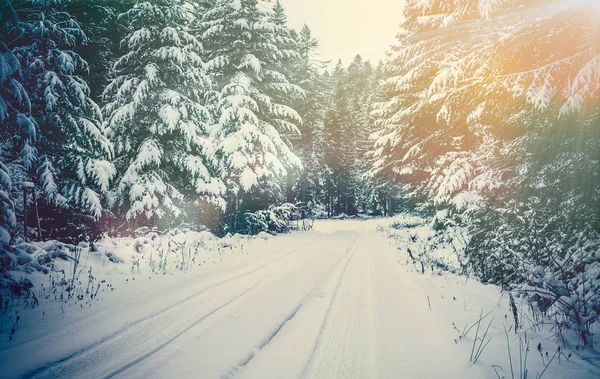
(170, 340)
(345, 342)
(351, 251)
(41, 371)
(327, 314)
(190, 281)
(63, 365)
(243, 362)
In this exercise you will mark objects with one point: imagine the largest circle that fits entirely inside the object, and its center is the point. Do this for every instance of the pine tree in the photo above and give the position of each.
(12, 98)
(446, 123)
(279, 16)
(360, 88)
(348, 127)
(245, 50)
(19, 131)
(309, 146)
(104, 34)
(73, 154)
(7, 214)
(19, 128)
(335, 152)
(286, 39)
(307, 44)
(158, 118)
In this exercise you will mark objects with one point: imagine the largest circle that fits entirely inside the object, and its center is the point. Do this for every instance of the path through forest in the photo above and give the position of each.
(335, 304)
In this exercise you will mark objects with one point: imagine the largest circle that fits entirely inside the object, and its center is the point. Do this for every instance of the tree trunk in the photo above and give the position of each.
(25, 213)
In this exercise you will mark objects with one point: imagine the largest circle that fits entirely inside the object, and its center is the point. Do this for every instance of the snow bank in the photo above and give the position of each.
(54, 270)
(433, 242)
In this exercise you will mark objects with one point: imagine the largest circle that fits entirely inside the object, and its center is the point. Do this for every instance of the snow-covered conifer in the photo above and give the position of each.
(279, 16)
(71, 139)
(508, 71)
(157, 117)
(309, 145)
(7, 214)
(244, 57)
(19, 129)
(12, 98)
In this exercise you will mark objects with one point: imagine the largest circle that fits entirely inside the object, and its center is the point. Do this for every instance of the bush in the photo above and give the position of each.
(407, 221)
(275, 219)
(549, 253)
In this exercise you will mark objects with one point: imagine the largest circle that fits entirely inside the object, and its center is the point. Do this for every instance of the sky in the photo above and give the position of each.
(345, 28)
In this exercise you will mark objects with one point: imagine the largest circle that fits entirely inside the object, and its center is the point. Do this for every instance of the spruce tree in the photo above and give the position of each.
(359, 86)
(335, 150)
(309, 145)
(19, 130)
(279, 16)
(245, 51)
(12, 98)
(285, 39)
(7, 214)
(73, 166)
(158, 119)
(104, 33)
(446, 123)
(348, 128)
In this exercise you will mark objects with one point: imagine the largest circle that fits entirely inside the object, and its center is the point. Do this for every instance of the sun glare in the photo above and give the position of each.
(593, 5)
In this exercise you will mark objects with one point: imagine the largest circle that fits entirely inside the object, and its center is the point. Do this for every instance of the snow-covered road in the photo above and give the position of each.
(333, 303)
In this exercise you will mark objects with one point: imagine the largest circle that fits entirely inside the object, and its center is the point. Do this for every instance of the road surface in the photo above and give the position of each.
(333, 304)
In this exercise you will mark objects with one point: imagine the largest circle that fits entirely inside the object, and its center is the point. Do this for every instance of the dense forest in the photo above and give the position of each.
(171, 113)
(191, 113)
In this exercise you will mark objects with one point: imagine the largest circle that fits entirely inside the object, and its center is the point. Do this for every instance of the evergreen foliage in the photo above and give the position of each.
(244, 48)
(12, 97)
(211, 112)
(63, 148)
(158, 118)
(504, 134)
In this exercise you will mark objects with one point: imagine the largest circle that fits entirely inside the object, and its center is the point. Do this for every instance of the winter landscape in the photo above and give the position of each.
(300, 189)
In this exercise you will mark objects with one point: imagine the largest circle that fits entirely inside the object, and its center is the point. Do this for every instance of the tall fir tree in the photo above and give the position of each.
(245, 49)
(7, 212)
(279, 16)
(309, 145)
(360, 87)
(19, 131)
(104, 33)
(335, 157)
(12, 100)
(158, 118)
(347, 134)
(72, 165)
(448, 124)
(285, 39)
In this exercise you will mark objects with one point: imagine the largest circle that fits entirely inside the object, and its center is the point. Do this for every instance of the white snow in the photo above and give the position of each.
(341, 301)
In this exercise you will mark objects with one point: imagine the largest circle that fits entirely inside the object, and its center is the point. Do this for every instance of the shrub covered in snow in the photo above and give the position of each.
(67, 267)
(426, 245)
(407, 220)
(553, 263)
(275, 219)
(547, 245)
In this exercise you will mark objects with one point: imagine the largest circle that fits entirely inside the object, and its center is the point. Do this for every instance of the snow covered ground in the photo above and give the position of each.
(342, 301)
